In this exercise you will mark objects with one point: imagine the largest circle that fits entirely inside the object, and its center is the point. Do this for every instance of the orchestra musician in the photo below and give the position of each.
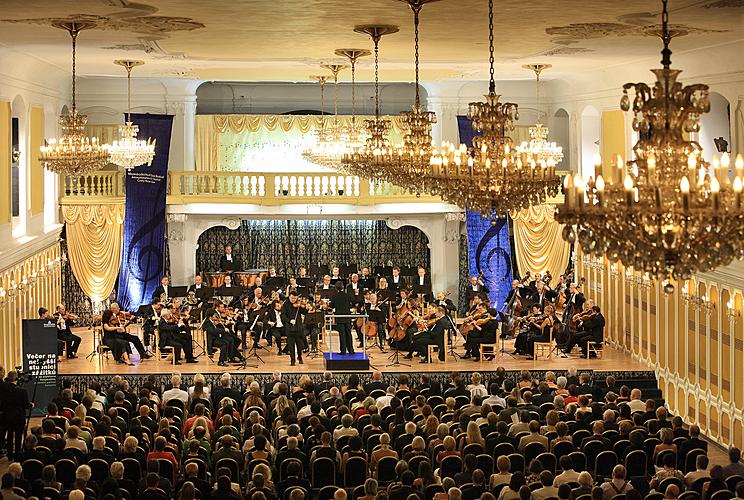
(475, 288)
(373, 304)
(326, 285)
(128, 337)
(516, 289)
(432, 335)
(257, 283)
(229, 262)
(162, 292)
(174, 333)
(313, 327)
(542, 295)
(396, 282)
(423, 280)
(528, 326)
(152, 317)
(336, 275)
(483, 332)
(217, 336)
(275, 326)
(574, 298)
(366, 281)
(544, 328)
(442, 300)
(113, 337)
(341, 303)
(591, 324)
(302, 272)
(353, 288)
(292, 314)
(272, 272)
(65, 321)
(43, 313)
(291, 286)
(197, 284)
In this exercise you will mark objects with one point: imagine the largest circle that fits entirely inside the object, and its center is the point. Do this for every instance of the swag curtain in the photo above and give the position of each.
(290, 244)
(538, 242)
(241, 143)
(94, 236)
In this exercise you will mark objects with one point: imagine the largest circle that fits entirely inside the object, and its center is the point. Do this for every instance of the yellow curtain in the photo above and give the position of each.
(303, 123)
(94, 236)
(538, 241)
(206, 144)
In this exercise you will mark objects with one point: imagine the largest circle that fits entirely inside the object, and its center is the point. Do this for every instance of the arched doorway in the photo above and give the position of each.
(560, 133)
(591, 129)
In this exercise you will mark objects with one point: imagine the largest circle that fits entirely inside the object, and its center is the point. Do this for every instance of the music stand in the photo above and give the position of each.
(303, 291)
(378, 317)
(337, 280)
(276, 283)
(424, 290)
(367, 283)
(306, 282)
(327, 294)
(314, 319)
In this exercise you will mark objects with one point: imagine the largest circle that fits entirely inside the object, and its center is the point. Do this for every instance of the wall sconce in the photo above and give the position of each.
(706, 305)
(731, 311)
(3, 294)
(613, 270)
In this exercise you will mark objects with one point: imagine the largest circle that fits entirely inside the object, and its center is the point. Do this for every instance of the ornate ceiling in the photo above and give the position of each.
(265, 40)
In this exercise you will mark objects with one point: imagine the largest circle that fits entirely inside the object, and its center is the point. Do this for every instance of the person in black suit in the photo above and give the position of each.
(542, 295)
(341, 303)
(65, 322)
(396, 282)
(481, 334)
(16, 403)
(225, 390)
(442, 300)
(197, 285)
(574, 298)
(162, 292)
(293, 480)
(229, 262)
(275, 325)
(217, 336)
(433, 336)
(176, 336)
(476, 287)
(692, 443)
(592, 330)
(292, 317)
(376, 384)
(151, 319)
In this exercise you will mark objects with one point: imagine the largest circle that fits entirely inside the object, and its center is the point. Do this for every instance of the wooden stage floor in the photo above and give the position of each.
(613, 360)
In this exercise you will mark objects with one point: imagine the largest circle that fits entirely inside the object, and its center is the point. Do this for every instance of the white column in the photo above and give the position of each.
(446, 109)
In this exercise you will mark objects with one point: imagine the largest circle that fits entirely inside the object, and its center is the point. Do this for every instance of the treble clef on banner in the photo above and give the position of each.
(145, 256)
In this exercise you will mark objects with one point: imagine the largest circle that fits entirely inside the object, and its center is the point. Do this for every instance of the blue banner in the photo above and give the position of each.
(144, 218)
(489, 249)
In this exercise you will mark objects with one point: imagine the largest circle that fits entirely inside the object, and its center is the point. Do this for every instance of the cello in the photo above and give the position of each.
(403, 320)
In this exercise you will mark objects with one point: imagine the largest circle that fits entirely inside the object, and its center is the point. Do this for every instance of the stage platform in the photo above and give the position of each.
(612, 361)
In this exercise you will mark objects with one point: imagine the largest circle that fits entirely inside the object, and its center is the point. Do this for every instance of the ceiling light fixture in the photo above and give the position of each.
(538, 149)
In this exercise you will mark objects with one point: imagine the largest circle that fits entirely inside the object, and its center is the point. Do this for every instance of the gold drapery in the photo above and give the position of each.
(303, 123)
(538, 241)
(206, 144)
(94, 237)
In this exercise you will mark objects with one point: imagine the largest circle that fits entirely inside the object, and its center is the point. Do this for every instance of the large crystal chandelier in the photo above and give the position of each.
(330, 143)
(491, 177)
(129, 151)
(366, 160)
(538, 149)
(74, 153)
(667, 212)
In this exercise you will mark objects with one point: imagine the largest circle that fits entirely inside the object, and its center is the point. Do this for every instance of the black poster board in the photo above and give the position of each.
(40, 360)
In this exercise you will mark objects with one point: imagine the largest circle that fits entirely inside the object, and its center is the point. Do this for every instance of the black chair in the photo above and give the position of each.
(604, 463)
(663, 485)
(322, 472)
(327, 492)
(654, 496)
(532, 450)
(689, 495)
(548, 461)
(231, 464)
(485, 463)
(732, 481)
(285, 465)
(722, 495)
(635, 463)
(584, 497)
(32, 469)
(697, 486)
(355, 472)
(450, 466)
(691, 458)
(386, 470)
(592, 449)
(620, 447)
(415, 462)
(618, 497)
(659, 461)
(289, 491)
(432, 490)
(517, 463)
(99, 470)
(579, 435)
(133, 469)
(472, 449)
(578, 459)
(51, 493)
(66, 469)
(201, 465)
(502, 449)
(167, 469)
(79, 455)
(562, 448)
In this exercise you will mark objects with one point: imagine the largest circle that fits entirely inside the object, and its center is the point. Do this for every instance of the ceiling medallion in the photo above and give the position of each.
(74, 153)
(129, 151)
(667, 212)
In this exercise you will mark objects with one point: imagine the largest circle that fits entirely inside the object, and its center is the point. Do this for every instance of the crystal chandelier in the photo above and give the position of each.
(74, 153)
(329, 143)
(538, 149)
(366, 160)
(667, 212)
(128, 151)
(491, 177)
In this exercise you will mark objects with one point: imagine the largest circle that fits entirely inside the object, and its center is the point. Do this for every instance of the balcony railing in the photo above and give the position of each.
(245, 187)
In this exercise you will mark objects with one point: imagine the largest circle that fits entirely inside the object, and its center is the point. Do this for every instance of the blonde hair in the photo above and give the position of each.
(474, 434)
(262, 469)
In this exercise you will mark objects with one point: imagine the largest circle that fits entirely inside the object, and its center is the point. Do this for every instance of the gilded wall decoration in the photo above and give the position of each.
(629, 26)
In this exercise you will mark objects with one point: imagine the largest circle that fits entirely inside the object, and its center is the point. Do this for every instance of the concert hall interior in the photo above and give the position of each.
(375, 189)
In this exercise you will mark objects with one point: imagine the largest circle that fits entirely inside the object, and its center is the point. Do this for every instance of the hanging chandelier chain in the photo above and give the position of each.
(129, 93)
(377, 76)
(416, 8)
(666, 52)
(353, 93)
(492, 82)
(537, 92)
(74, 33)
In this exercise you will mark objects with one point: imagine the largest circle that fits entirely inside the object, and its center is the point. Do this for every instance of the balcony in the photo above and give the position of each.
(258, 188)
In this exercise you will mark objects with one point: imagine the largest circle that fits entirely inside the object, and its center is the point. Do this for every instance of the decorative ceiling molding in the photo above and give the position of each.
(575, 32)
(566, 51)
(725, 4)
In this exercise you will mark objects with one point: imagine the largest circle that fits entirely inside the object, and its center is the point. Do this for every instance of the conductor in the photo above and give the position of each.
(341, 303)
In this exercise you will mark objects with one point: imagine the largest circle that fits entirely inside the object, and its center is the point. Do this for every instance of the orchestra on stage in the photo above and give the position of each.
(241, 313)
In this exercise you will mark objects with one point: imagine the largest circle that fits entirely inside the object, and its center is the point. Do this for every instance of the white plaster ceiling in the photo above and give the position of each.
(285, 40)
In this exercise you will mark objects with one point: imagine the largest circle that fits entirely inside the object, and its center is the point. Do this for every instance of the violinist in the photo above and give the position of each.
(484, 332)
(276, 326)
(151, 317)
(312, 327)
(591, 326)
(442, 300)
(243, 320)
(128, 337)
(396, 281)
(217, 336)
(378, 328)
(433, 335)
(292, 315)
(574, 301)
(174, 333)
(65, 321)
(544, 328)
(113, 337)
(475, 288)
(528, 326)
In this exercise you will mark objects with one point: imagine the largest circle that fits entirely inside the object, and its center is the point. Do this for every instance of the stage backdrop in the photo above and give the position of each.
(144, 217)
(489, 251)
(287, 244)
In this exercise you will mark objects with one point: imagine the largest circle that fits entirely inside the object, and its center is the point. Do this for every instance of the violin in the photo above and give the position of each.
(469, 323)
(424, 326)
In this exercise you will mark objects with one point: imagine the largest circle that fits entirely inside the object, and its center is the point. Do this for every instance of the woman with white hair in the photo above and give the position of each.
(476, 388)
(200, 389)
(561, 383)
